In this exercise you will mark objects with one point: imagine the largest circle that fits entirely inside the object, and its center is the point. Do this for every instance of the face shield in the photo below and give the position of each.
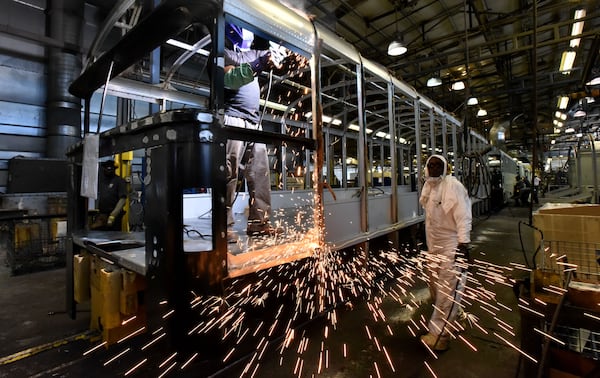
(240, 38)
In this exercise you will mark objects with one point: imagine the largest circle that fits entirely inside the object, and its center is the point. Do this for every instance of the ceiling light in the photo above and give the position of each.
(560, 115)
(481, 113)
(579, 113)
(472, 101)
(579, 13)
(458, 86)
(594, 81)
(434, 81)
(566, 62)
(579, 135)
(590, 100)
(570, 130)
(396, 48)
(563, 101)
(577, 28)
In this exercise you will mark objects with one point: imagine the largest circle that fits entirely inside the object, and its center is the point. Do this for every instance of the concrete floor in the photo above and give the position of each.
(37, 339)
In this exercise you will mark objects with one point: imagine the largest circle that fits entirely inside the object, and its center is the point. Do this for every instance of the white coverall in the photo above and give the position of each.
(447, 223)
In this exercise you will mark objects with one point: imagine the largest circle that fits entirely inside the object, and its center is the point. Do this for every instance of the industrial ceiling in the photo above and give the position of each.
(507, 53)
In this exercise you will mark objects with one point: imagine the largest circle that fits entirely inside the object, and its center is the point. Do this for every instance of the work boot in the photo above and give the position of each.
(436, 343)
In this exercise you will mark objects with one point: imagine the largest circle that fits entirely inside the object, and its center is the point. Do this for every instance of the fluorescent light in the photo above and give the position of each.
(396, 48)
(356, 128)
(579, 113)
(563, 102)
(594, 81)
(481, 113)
(570, 130)
(566, 62)
(458, 86)
(577, 28)
(560, 115)
(325, 118)
(579, 135)
(472, 101)
(434, 81)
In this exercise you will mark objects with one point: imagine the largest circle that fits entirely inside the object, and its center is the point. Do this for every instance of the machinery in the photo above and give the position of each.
(346, 140)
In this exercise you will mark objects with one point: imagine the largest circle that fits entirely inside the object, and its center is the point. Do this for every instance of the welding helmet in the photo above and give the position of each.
(239, 37)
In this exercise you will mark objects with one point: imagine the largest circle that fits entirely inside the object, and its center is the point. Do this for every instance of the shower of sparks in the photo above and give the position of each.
(430, 369)
(515, 347)
(95, 348)
(263, 318)
(117, 356)
(132, 334)
(322, 286)
(136, 366)
(550, 337)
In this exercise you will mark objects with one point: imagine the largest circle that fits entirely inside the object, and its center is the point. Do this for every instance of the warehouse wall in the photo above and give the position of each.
(23, 78)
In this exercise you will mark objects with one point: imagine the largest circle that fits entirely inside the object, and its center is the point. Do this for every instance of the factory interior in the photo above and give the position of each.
(178, 280)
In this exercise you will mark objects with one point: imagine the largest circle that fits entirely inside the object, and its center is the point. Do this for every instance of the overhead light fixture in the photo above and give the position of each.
(396, 48)
(590, 100)
(566, 62)
(472, 100)
(325, 119)
(569, 130)
(579, 113)
(434, 81)
(579, 135)
(594, 81)
(481, 113)
(577, 28)
(560, 115)
(563, 102)
(458, 86)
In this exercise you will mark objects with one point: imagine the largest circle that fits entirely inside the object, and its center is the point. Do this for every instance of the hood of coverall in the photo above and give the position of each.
(434, 180)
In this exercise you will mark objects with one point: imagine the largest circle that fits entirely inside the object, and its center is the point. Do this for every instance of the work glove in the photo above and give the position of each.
(262, 63)
(278, 54)
(463, 250)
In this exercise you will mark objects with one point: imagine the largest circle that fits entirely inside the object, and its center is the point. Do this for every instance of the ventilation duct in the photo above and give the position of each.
(63, 110)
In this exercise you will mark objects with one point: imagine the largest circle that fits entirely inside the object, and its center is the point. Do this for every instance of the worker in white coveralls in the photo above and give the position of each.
(447, 228)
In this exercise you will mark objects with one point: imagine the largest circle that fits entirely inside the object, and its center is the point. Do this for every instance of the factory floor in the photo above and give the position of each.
(37, 338)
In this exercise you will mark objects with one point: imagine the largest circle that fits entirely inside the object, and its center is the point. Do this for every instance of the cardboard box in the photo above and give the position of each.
(568, 222)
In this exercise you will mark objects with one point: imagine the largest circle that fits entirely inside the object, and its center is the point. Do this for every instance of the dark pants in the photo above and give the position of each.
(255, 160)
